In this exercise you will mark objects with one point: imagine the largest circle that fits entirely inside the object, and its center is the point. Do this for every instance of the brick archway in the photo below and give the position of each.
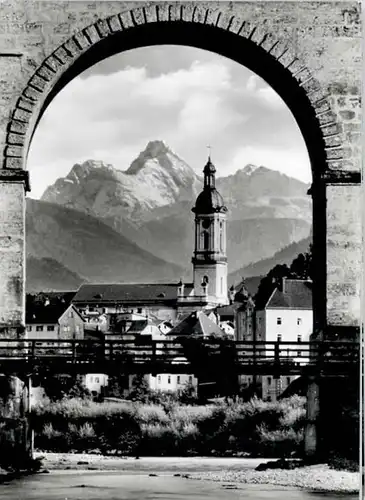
(175, 23)
(322, 107)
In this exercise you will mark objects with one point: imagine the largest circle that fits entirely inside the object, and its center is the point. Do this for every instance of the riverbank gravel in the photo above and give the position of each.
(314, 477)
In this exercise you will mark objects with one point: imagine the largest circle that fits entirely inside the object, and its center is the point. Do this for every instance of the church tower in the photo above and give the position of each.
(210, 254)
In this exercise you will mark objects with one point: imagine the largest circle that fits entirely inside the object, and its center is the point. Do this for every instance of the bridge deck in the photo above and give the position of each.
(144, 355)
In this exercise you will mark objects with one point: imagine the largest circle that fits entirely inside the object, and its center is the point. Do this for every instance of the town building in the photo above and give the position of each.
(172, 382)
(53, 321)
(95, 382)
(196, 324)
(288, 317)
(288, 313)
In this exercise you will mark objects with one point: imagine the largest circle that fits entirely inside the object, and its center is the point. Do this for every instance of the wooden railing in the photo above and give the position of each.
(145, 355)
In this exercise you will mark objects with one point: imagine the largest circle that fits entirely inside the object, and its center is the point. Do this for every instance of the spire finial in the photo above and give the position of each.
(210, 152)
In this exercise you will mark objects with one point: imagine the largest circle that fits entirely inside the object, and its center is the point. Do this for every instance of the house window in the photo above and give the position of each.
(159, 379)
(91, 379)
(190, 379)
(279, 337)
(29, 328)
(169, 379)
(139, 310)
(178, 379)
(269, 398)
(77, 328)
(299, 321)
(71, 314)
(66, 328)
(50, 328)
(39, 328)
(268, 380)
(278, 321)
(288, 380)
(97, 380)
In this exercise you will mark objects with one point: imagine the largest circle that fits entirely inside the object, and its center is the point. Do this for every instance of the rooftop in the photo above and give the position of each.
(196, 323)
(296, 294)
(45, 314)
(128, 293)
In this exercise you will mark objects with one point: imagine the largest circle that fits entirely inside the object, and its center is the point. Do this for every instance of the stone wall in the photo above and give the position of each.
(308, 51)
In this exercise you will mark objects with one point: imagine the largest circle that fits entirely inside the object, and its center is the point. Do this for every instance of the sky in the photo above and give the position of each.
(187, 97)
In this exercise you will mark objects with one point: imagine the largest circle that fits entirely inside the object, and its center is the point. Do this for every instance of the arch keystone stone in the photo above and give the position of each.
(151, 13)
(188, 12)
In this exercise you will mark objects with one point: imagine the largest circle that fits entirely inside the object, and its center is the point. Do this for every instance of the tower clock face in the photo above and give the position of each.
(206, 223)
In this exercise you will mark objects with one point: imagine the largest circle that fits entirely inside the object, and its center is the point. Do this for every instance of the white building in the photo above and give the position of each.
(171, 382)
(94, 382)
(286, 317)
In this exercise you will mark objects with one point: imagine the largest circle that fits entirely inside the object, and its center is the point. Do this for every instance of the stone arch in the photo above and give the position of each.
(186, 24)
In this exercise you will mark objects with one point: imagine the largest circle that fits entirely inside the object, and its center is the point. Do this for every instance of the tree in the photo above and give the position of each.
(140, 389)
(300, 268)
(188, 395)
(64, 386)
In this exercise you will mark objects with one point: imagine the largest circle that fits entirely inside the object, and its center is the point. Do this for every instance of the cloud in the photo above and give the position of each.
(193, 99)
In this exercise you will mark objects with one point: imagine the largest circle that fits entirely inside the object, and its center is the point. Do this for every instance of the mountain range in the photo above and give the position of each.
(103, 224)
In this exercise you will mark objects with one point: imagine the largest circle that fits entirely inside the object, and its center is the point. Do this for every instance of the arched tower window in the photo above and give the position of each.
(206, 240)
(221, 236)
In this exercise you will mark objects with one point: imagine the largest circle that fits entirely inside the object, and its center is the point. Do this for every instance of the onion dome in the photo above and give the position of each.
(209, 200)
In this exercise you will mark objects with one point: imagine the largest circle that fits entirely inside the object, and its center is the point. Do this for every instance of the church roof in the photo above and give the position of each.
(209, 201)
(296, 294)
(124, 293)
(196, 323)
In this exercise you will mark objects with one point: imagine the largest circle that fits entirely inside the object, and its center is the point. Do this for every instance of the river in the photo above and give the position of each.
(117, 485)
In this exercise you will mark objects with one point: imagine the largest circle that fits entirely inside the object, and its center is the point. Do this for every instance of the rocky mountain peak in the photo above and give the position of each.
(158, 154)
(156, 148)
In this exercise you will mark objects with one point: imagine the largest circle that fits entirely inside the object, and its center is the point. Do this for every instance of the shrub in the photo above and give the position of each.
(50, 439)
(151, 414)
(279, 443)
(254, 427)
